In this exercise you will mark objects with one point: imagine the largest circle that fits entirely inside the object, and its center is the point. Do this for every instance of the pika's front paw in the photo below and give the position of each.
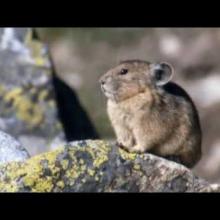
(137, 149)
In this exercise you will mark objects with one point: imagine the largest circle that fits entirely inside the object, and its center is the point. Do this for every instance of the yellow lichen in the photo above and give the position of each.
(8, 187)
(42, 95)
(36, 49)
(81, 161)
(60, 184)
(77, 169)
(43, 185)
(72, 174)
(34, 178)
(28, 111)
(25, 109)
(40, 61)
(137, 166)
(12, 95)
(101, 155)
(29, 181)
(100, 160)
(31, 173)
(64, 164)
(91, 172)
(82, 168)
(127, 156)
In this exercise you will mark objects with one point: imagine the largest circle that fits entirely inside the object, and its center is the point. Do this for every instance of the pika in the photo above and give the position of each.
(149, 113)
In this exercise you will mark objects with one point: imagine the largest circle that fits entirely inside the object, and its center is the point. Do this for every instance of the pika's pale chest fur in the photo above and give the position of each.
(150, 113)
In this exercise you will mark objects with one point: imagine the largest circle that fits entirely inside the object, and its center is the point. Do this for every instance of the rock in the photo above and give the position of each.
(27, 100)
(98, 166)
(28, 105)
(11, 149)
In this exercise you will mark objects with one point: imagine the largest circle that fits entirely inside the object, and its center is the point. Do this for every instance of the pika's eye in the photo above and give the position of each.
(123, 71)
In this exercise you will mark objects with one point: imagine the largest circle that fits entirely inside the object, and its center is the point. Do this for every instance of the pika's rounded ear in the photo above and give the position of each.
(162, 73)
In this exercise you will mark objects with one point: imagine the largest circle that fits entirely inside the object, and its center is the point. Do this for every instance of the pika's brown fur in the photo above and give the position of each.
(150, 113)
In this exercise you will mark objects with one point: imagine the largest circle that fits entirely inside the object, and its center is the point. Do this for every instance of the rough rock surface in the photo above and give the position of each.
(28, 96)
(27, 104)
(11, 149)
(98, 166)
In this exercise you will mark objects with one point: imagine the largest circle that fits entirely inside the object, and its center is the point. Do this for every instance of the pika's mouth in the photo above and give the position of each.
(107, 93)
(104, 90)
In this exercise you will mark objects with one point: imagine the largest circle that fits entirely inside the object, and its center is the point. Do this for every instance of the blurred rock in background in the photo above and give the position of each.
(28, 105)
(11, 149)
(82, 55)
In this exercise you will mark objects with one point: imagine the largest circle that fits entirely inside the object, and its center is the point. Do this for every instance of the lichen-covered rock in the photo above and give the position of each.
(11, 149)
(36, 107)
(27, 101)
(98, 166)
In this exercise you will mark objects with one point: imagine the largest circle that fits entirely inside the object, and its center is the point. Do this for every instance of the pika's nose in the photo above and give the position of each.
(102, 82)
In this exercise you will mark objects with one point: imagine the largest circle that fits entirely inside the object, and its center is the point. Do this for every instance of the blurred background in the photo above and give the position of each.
(82, 55)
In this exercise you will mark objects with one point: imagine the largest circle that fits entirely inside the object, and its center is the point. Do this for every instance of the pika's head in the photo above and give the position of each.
(132, 77)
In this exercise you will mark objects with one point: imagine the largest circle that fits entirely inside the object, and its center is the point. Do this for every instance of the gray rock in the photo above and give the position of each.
(98, 166)
(11, 149)
(30, 93)
(27, 101)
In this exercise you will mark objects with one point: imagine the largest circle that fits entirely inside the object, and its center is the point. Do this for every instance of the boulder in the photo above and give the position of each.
(99, 166)
(27, 102)
(30, 106)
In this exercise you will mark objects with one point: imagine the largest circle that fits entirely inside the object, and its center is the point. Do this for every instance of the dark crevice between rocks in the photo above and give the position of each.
(75, 120)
